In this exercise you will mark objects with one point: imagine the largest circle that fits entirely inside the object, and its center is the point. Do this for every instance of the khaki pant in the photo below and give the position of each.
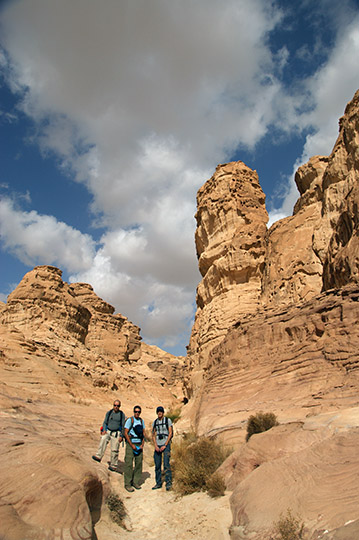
(132, 473)
(110, 436)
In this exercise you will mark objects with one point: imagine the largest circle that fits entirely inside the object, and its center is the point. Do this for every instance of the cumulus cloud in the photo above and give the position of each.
(139, 101)
(328, 90)
(34, 238)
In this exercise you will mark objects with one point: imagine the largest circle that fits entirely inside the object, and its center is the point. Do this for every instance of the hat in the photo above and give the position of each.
(160, 409)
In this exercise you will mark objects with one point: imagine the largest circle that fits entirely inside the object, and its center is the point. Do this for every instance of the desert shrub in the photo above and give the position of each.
(116, 508)
(288, 527)
(260, 422)
(215, 485)
(194, 462)
(174, 414)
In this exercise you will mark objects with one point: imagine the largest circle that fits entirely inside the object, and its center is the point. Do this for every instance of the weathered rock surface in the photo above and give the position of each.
(230, 242)
(244, 267)
(307, 472)
(64, 357)
(294, 352)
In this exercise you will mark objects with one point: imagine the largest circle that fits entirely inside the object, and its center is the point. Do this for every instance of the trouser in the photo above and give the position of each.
(110, 436)
(166, 466)
(132, 473)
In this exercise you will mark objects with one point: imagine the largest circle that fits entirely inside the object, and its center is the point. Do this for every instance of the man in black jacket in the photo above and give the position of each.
(112, 431)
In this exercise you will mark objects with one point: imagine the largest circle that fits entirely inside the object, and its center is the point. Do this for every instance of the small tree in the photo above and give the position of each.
(260, 422)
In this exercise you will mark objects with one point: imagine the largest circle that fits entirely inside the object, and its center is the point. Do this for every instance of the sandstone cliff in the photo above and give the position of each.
(230, 242)
(245, 267)
(278, 331)
(64, 357)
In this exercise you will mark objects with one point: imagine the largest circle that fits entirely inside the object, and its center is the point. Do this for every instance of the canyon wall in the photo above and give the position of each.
(64, 357)
(277, 330)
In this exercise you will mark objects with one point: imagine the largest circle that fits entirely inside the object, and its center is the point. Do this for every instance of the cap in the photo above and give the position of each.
(160, 409)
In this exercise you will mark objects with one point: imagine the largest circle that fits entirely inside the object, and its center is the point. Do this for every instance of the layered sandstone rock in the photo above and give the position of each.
(230, 242)
(44, 307)
(293, 352)
(73, 326)
(64, 358)
(108, 334)
(244, 267)
(314, 474)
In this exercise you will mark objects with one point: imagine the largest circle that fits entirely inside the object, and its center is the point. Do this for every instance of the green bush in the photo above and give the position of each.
(116, 508)
(174, 414)
(194, 462)
(259, 423)
(288, 527)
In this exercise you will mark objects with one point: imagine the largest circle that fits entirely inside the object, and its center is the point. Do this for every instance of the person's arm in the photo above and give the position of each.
(123, 421)
(154, 433)
(170, 433)
(128, 439)
(105, 422)
(144, 435)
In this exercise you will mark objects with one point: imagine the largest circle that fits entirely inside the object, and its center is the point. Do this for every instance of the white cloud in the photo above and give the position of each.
(34, 238)
(140, 101)
(332, 86)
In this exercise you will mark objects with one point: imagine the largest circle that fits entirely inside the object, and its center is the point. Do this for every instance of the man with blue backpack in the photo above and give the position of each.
(111, 431)
(135, 440)
(162, 432)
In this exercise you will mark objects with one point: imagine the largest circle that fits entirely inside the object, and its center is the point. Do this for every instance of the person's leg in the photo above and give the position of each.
(157, 456)
(115, 445)
(167, 466)
(137, 472)
(127, 473)
(102, 446)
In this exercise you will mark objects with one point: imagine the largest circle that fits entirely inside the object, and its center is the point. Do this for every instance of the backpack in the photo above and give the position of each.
(108, 416)
(138, 429)
(157, 422)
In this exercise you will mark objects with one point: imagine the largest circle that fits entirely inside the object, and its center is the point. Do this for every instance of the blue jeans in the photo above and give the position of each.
(166, 466)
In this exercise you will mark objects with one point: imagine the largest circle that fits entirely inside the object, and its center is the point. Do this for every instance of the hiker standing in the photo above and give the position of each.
(162, 432)
(135, 440)
(111, 432)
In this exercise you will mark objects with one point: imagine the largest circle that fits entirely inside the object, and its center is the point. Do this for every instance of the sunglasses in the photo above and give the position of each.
(136, 412)
(116, 405)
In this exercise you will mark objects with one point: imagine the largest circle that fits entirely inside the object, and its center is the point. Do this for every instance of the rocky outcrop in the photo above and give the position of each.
(245, 268)
(230, 242)
(306, 471)
(64, 357)
(108, 334)
(46, 309)
(294, 362)
(71, 325)
(293, 352)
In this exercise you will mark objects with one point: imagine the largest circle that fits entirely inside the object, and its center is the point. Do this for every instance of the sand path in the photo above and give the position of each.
(156, 514)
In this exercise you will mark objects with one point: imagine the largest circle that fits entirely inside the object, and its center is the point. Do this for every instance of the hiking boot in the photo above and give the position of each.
(129, 488)
(96, 458)
(136, 486)
(112, 468)
(156, 487)
(168, 488)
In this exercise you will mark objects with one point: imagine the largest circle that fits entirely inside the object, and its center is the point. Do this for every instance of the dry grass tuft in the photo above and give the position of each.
(116, 508)
(194, 462)
(288, 527)
(260, 422)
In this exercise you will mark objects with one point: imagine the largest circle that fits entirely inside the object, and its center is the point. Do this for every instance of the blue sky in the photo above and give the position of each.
(113, 114)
